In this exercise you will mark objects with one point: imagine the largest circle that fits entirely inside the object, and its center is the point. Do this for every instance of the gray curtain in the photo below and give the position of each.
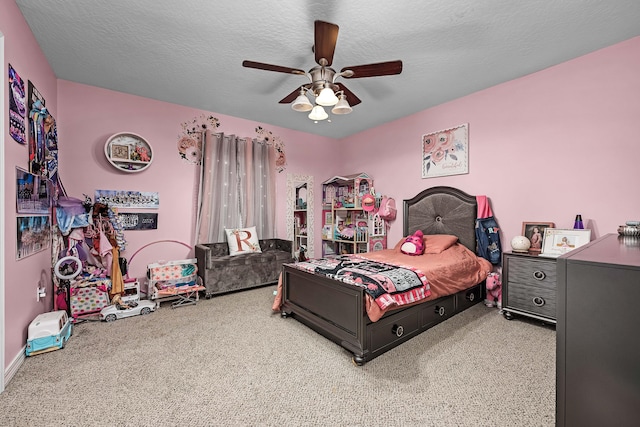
(237, 187)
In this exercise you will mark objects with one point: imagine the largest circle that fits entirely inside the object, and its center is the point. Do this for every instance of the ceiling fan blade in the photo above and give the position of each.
(351, 98)
(289, 98)
(269, 67)
(326, 36)
(374, 70)
(293, 95)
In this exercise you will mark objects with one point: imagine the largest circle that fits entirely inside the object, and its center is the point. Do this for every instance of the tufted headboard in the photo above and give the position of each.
(442, 210)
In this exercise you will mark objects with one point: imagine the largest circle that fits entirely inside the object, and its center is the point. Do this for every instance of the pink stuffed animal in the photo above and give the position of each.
(413, 244)
(143, 153)
(494, 291)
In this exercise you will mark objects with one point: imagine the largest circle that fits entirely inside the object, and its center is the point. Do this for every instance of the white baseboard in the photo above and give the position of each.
(12, 369)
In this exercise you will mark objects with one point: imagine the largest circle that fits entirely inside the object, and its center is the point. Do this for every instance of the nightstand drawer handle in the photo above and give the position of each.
(539, 275)
(538, 301)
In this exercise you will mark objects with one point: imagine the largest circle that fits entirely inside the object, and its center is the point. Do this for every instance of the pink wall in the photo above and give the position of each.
(21, 277)
(543, 148)
(89, 115)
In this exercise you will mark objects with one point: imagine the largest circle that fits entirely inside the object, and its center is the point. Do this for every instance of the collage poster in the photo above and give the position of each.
(34, 235)
(32, 193)
(17, 107)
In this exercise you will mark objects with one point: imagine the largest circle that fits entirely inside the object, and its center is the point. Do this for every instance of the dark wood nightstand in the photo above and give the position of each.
(529, 286)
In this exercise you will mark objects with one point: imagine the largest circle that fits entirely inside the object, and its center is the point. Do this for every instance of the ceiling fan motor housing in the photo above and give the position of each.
(321, 75)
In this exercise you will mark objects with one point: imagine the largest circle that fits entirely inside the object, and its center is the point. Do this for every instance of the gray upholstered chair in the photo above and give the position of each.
(223, 273)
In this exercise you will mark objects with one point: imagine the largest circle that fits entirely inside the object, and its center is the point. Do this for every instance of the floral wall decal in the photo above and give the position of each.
(190, 141)
(270, 139)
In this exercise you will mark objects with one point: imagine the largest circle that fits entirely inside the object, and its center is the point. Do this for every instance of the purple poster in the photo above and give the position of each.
(37, 115)
(17, 107)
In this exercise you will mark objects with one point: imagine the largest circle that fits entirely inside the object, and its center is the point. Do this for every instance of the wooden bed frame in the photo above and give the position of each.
(337, 310)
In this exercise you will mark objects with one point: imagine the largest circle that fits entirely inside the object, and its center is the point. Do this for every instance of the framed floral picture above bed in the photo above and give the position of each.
(445, 152)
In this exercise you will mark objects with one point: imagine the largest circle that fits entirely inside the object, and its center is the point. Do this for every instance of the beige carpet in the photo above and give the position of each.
(228, 361)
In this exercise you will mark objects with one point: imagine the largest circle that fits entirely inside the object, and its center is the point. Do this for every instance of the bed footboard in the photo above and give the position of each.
(331, 308)
(337, 311)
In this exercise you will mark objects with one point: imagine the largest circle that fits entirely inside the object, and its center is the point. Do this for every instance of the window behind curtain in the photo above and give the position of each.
(237, 187)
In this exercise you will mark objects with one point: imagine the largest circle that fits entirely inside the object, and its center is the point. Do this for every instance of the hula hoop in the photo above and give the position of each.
(153, 243)
(61, 261)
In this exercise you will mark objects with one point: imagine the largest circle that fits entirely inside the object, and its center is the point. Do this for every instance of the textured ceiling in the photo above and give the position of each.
(190, 52)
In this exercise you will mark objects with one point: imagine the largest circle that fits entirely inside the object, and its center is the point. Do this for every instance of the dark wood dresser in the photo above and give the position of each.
(598, 340)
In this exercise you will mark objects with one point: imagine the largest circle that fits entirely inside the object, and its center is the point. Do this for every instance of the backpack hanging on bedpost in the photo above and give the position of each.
(487, 233)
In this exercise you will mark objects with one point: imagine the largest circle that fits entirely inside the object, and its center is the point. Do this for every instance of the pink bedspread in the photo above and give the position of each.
(454, 269)
(451, 271)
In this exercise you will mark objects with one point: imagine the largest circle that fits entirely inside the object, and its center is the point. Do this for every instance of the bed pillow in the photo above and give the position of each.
(436, 243)
(242, 240)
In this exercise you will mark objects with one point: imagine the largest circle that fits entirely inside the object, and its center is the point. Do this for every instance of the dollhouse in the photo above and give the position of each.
(347, 227)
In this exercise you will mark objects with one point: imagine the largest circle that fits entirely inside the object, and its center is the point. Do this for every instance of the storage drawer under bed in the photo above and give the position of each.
(403, 324)
(470, 297)
(436, 311)
(387, 331)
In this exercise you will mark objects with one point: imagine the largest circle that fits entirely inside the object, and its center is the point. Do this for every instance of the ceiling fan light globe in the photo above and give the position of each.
(318, 113)
(302, 104)
(327, 98)
(342, 107)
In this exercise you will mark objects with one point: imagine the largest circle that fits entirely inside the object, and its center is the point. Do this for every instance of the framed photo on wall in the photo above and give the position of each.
(120, 152)
(32, 193)
(534, 231)
(33, 235)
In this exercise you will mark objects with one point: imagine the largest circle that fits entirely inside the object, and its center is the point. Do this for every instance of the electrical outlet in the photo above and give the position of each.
(40, 293)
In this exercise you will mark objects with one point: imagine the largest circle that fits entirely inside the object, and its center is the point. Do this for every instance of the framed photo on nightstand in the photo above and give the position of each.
(558, 241)
(534, 231)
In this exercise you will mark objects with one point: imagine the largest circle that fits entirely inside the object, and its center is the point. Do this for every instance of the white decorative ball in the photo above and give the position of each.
(520, 244)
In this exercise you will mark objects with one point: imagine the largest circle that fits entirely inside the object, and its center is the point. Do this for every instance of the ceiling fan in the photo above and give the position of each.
(322, 78)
